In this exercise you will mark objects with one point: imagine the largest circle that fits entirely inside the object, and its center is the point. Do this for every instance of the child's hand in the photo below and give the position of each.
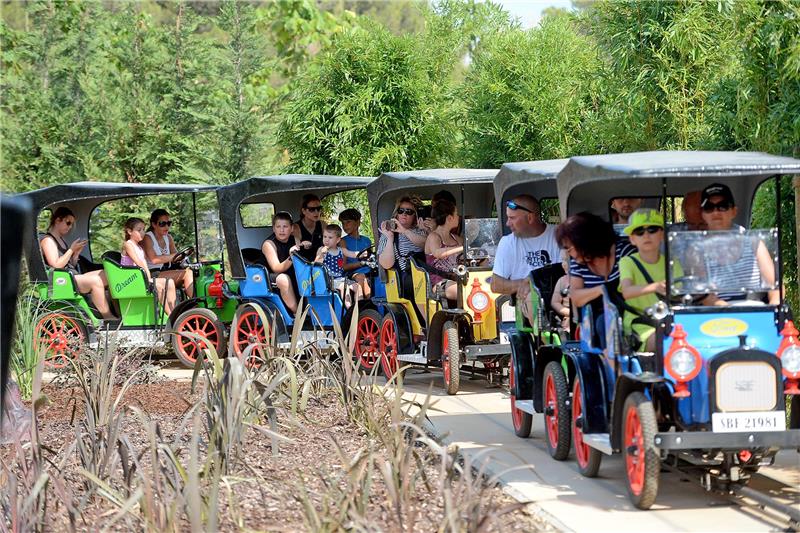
(322, 250)
(661, 287)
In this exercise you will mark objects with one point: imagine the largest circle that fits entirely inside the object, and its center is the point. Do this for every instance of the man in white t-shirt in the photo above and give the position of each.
(531, 245)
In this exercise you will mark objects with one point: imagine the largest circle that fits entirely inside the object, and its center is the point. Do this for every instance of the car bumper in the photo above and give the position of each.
(694, 440)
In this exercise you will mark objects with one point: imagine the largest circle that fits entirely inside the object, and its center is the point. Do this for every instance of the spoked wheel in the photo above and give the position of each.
(588, 458)
(194, 323)
(642, 461)
(522, 421)
(388, 344)
(58, 338)
(556, 411)
(368, 334)
(451, 357)
(249, 330)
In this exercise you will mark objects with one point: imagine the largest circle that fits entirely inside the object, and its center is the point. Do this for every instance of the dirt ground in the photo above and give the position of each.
(267, 495)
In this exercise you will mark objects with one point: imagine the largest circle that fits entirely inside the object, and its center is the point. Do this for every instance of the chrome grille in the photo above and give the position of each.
(745, 386)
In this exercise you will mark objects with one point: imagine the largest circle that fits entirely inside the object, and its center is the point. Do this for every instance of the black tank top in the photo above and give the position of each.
(282, 247)
(314, 238)
(62, 249)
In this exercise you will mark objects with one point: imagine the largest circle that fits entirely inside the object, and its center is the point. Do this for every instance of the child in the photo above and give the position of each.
(642, 275)
(560, 299)
(332, 256)
(277, 250)
(351, 221)
(133, 255)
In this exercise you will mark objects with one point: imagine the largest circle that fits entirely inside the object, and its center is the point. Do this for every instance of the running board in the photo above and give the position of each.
(525, 405)
(418, 358)
(599, 441)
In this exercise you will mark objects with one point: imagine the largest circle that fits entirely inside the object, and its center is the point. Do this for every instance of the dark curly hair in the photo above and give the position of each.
(441, 210)
(589, 234)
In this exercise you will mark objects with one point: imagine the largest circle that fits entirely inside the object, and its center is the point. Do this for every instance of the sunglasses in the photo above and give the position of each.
(406, 211)
(164, 223)
(69, 222)
(314, 209)
(646, 229)
(710, 207)
(511, 204)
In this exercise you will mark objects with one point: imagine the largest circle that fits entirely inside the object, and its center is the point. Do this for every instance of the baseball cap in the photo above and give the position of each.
(349, 214)
(716, 189)
(642, 218)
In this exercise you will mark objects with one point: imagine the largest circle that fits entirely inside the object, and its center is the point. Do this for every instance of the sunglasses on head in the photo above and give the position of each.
(710, 207)
(406, 211)
(646, 229)
(314, 208)
(511, 204)
(164, 223)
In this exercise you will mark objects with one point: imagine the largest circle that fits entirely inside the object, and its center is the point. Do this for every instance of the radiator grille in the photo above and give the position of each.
(746, 386)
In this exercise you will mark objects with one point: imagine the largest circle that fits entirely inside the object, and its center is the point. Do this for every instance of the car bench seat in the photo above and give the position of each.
(257, 285)
(129, 287)
(316, 287)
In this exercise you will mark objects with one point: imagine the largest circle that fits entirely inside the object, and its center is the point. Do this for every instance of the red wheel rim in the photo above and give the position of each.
(551, 404)
(634, 455)
(582, 450)
(201, 326)
(367, 341)
(250, 331)
(56, 337)
(389, 348)
(516, 414)
(446, 357)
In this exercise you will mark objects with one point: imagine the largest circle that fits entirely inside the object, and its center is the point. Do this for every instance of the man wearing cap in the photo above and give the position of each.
(530, 245)
(642, 274)
(351, 222)
(752, 266)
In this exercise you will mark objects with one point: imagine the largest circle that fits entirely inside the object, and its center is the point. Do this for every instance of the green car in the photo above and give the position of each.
(68, 319)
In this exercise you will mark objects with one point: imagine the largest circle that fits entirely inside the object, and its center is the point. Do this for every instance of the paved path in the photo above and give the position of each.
(478, 419)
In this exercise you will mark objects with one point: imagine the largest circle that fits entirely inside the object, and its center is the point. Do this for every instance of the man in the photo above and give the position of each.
(621, 209)
(692, 214)
(531, 245)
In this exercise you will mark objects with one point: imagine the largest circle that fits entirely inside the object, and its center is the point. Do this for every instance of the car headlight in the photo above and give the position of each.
(683, 362)
(790, 359)
(479, 301)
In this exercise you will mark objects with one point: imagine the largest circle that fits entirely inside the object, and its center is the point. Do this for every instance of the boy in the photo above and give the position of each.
(332, 256)
(351, 222)
(642, 275)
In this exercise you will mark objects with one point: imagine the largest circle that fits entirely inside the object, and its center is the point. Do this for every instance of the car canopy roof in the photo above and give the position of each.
(537, 178)
(390, 186)
(589, 183)
(82, 198)
(285, 192)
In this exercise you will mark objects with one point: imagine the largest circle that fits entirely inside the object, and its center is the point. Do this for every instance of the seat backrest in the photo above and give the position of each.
(124, 281)
(256, 282)
(546, 278)
(253, 256)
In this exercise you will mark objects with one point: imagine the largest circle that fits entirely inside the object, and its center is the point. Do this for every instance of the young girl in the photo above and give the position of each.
(133, 255)
(332, 256)
(442, 246)
(277, 250)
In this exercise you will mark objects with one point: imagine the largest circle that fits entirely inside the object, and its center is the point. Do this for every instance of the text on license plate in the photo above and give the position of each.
(756, 421)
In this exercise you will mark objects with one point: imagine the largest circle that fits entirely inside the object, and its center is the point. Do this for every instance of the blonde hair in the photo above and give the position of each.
(408, 199)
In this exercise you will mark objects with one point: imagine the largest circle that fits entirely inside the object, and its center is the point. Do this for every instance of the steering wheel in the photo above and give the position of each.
(696, 297)
(365, 253)
(178, 258)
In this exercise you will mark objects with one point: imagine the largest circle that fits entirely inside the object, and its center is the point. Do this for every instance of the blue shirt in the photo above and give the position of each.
(356, 245)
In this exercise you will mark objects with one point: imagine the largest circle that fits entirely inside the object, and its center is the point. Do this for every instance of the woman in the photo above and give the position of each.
(133, 255)
(595, 250)
(57, 254)
(442, 247)
(400, 236)
(277, 250)
(159, 249)
(308, 230)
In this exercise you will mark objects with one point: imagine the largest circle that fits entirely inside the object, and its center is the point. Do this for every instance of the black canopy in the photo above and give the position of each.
(537, 178)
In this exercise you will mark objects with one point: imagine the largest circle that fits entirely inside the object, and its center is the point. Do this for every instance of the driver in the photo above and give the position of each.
(530, 245)
(752, 263)
(353, 240)
(159, 249)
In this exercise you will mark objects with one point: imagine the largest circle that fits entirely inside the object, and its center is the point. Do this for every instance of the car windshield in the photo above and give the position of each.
(719, 262)
(481, 236)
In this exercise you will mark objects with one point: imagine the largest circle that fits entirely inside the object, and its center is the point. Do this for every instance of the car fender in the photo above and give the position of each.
(72, 307)
(589, 369)
(274, 312)
(180, 308)
(460, 317)
(405, 338)
(363, 305)
(521, 346)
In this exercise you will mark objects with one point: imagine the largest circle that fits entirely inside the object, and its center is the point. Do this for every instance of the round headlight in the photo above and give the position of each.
(683, 362)
(479, 301)
(790, 359)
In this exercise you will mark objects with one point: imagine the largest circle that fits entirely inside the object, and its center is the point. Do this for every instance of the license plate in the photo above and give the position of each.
(743, 422)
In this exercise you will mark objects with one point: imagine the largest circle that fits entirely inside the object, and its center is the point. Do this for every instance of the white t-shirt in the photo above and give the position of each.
(157, 249)
(517, 257)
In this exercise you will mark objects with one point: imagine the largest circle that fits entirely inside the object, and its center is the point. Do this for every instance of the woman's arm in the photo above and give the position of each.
(386, 257)
(417, 238)
(435, 247)
(130, 251)
(581, 296)
(50, 253)
(150, 252)
(767, 268)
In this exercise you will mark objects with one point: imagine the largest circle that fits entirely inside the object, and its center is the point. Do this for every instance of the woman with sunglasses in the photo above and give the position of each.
(159, 248)
(400, 236)
(751, 264)
(57, 254)
(308, 230)
(595, 251)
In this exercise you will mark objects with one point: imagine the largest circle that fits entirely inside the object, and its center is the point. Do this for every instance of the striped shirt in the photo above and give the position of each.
(403, 248)
(623, 248)
(737, 276)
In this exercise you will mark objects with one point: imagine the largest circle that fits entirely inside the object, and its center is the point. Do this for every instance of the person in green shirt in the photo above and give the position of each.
(642, 275)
